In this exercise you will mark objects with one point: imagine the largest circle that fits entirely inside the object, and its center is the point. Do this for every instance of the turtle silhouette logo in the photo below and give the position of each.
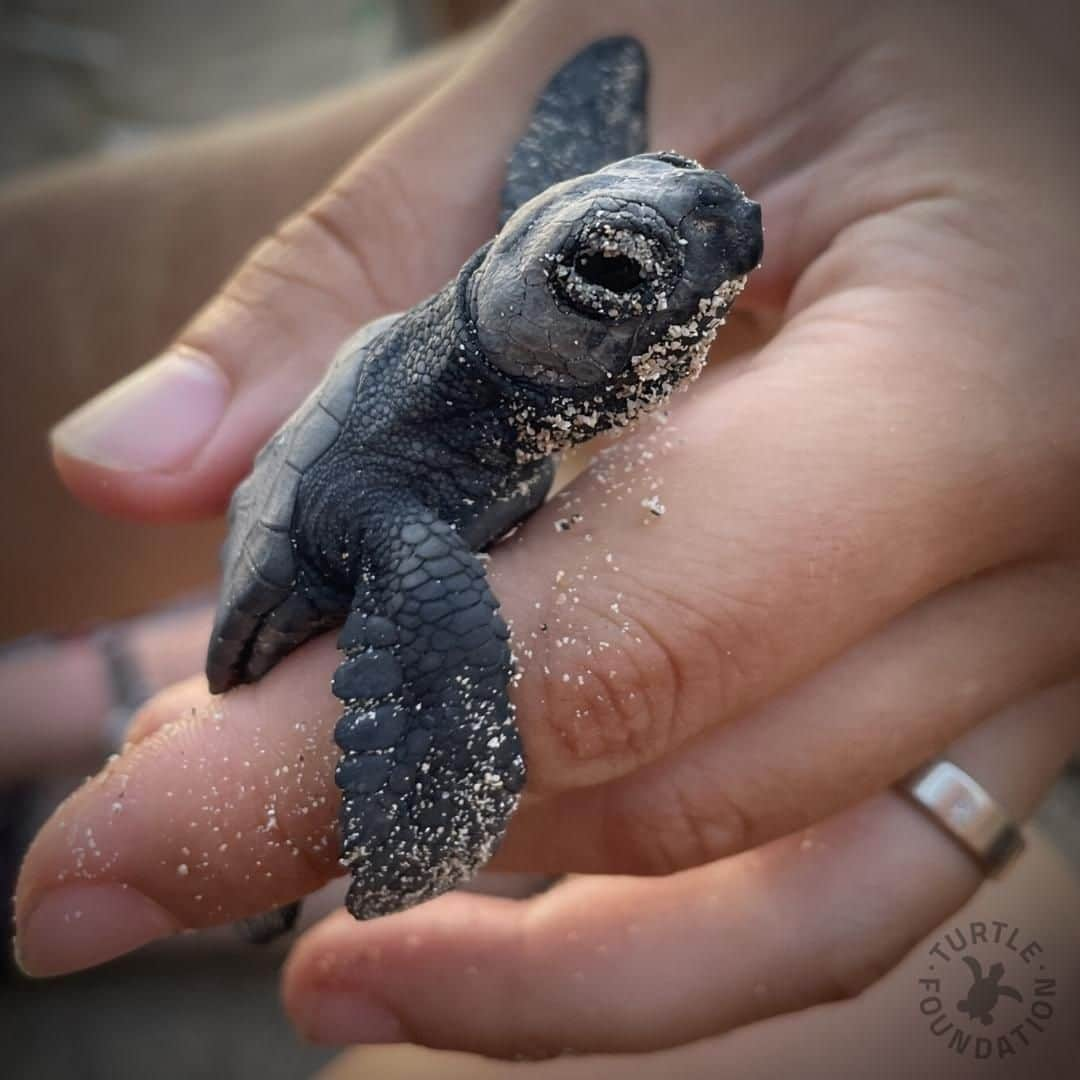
(986, 991)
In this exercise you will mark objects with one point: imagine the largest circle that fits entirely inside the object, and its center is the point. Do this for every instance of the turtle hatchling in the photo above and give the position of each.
(434, 432)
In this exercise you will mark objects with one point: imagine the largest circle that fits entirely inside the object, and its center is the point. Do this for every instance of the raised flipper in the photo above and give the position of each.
(590, 114)
(432, 762)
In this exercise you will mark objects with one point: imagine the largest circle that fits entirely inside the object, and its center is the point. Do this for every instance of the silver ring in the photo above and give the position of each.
(967, 812)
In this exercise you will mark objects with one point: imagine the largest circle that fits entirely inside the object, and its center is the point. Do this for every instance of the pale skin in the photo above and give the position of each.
(869, 554)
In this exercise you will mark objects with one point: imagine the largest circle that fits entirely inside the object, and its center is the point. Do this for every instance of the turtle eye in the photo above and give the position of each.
(617, 273)
(613, 270)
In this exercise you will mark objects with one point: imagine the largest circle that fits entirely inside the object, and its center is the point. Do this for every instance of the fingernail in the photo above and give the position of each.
(337, 1018)
(155, 420)
(78, 926)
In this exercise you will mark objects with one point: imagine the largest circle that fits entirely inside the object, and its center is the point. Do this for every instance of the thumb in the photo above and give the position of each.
(173, 439)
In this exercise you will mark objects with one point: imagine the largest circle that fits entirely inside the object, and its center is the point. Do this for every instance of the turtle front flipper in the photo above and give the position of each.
(432, 764)
(271, 602)
(590, 114)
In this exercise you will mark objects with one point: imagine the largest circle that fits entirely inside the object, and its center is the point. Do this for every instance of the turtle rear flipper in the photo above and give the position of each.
(268, 926)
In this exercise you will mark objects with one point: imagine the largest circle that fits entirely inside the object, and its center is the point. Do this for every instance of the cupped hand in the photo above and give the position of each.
(867, 551)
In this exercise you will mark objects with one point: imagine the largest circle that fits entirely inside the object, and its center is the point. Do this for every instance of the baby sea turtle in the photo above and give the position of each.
(432, 434)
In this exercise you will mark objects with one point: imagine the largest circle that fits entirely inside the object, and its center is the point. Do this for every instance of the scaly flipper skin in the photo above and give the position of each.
(270, 604)
(432, 762)
(434, 432)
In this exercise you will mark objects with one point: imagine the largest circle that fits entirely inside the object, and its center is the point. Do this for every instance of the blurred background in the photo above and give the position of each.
(105, 76)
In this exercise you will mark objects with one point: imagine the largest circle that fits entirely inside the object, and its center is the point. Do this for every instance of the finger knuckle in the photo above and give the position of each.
(650, 671)
(369, 218)
(607, 697)
(681, 826)
(271, 297)
(347, 256)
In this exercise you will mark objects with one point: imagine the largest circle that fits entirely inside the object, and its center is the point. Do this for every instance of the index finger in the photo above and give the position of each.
(215, 815)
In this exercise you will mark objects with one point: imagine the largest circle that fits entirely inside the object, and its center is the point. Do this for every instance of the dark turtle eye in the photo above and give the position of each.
(616, 273)
(614, 268)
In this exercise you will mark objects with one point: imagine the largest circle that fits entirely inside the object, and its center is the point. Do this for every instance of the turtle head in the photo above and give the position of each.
(640, 258)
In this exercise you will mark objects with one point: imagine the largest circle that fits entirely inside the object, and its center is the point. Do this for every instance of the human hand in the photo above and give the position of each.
(61, 708)
(883, 1033)
(866, 553)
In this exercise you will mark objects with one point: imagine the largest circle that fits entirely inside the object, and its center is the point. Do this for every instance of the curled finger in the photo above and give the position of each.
(620, 964)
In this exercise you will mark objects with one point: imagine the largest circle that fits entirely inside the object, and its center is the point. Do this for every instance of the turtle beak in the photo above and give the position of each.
(750, 240)
(724, 210)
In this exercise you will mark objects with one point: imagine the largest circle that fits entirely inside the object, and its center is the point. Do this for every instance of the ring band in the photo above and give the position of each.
(968, 813)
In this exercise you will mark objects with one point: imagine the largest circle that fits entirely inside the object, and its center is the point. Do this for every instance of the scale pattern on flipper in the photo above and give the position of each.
(267, 607)
(432, 764)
